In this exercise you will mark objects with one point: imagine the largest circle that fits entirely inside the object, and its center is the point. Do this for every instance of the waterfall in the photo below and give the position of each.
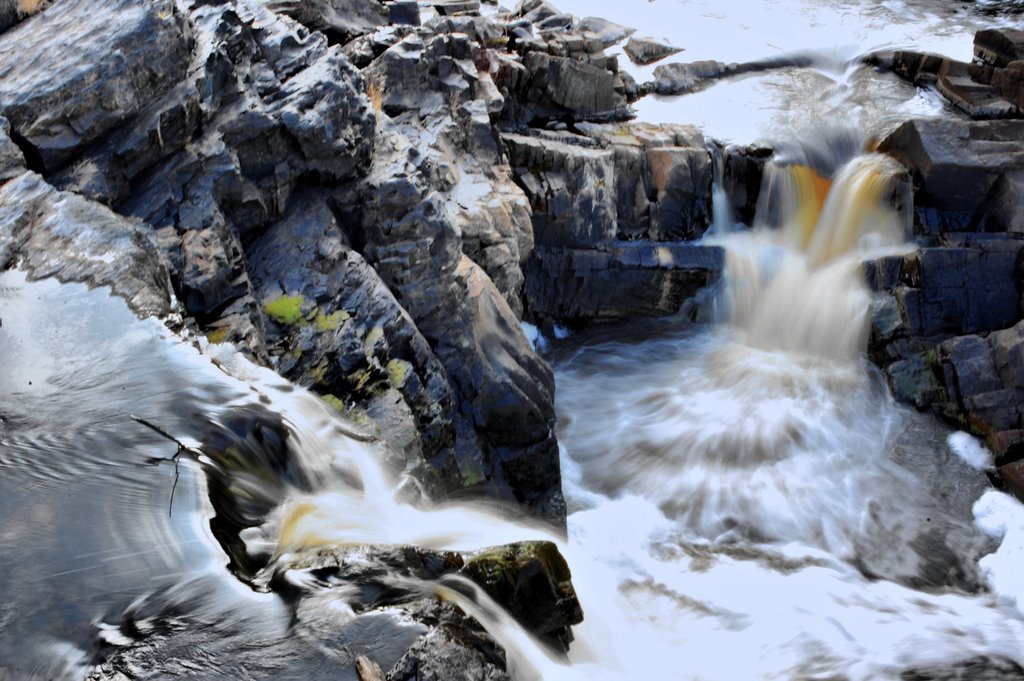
(799, 286)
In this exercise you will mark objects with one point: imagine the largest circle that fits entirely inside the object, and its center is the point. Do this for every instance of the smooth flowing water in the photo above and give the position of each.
(751, 492)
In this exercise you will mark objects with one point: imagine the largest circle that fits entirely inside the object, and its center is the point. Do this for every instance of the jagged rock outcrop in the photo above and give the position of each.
(610, 205)
(955, 165)
(259, 138)
(561, 72)
(412, 228)
(59, 234)
(946, 328)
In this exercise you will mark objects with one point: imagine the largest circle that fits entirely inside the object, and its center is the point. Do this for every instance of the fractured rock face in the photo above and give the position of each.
(111, 66)
(570, 188)
(332, 325)
(59, 234)
(503, 392)
(955, 164)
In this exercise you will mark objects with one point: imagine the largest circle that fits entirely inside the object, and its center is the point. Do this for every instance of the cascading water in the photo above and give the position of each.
(751, 494)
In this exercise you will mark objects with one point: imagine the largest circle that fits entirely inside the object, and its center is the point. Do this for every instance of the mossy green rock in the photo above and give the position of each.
(532, 580)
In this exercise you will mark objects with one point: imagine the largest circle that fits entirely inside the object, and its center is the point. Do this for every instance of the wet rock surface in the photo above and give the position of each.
(990, 87)
(58, 234)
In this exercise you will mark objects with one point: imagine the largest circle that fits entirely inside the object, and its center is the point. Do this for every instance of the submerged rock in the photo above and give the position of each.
(532, 581)
(973, 669)
(680, 79)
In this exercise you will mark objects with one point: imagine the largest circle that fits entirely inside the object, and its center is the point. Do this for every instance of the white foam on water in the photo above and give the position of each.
(1002, 517)
(970, 451)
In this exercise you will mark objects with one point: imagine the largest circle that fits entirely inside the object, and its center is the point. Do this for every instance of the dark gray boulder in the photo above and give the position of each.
(662, 180)
(954, 165)
(58, 234)
(962, 288)
(113, 64)
(404, 12)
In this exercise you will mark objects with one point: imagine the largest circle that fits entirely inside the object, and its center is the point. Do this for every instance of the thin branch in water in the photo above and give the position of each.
(182, 447)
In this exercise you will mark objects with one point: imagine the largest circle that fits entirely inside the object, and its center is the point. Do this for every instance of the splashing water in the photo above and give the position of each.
(751, 495)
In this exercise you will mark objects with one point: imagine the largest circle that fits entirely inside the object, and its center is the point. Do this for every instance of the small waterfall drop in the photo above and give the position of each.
(799, 286)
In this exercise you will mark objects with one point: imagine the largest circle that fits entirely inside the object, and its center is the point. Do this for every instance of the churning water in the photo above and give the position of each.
(750, 492)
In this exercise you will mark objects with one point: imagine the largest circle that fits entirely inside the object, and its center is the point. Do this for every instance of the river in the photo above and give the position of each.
(746, 500)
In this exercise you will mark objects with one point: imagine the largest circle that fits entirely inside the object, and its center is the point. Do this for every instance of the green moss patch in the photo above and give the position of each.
(334, 401)
(398, 371)
(286, 310)
(330, 322)
(218, 335)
